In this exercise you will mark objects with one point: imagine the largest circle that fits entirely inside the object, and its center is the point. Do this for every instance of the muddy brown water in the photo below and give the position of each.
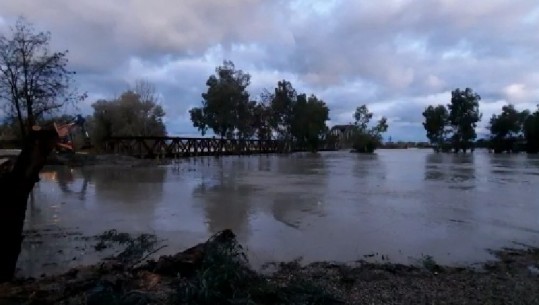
(395, 204)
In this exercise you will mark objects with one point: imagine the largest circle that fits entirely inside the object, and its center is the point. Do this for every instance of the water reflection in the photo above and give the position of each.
(365, 165)
(458, 170)
(308, 174)
(327, 206)
(225, 201)
(129, 188)
(67, 179)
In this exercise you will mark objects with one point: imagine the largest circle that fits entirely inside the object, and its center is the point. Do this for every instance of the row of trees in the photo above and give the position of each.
(227, 109)
(514, 130)
(453, 127)
(35, 84)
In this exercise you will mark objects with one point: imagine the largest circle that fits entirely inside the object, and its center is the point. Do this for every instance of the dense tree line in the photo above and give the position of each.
(513, 130)
(298, 119)
(453, 127)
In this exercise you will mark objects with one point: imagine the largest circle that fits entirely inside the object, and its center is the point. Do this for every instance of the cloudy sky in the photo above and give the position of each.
(396, 56)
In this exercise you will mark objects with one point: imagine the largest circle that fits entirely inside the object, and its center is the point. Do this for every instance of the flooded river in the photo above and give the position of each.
(401, 204)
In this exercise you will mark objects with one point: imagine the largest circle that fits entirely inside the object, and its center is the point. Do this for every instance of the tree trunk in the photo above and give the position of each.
(20, 119)
(30, 118)
(15, 187)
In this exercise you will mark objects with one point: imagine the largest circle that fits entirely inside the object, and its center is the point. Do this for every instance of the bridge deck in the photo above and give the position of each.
(150, 147)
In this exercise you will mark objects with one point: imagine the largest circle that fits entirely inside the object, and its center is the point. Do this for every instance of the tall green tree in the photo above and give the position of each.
(436, 120)
(245, 123)
(262, 119)
(362, 117)
(463, 118)
(33, 80)
(506, 128)
(309, 121)
(366, 140)
(225, 103)
(282, 105)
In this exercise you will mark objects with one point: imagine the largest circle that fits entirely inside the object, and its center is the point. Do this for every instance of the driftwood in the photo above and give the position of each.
(15, 186)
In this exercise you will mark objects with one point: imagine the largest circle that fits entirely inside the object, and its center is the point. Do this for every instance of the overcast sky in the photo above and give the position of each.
(396, 56)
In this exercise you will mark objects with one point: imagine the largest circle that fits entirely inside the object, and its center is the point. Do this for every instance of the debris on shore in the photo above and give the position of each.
(217, 272)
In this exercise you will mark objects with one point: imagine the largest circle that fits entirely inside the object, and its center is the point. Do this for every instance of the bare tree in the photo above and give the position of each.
(146, 91)
(33, 81)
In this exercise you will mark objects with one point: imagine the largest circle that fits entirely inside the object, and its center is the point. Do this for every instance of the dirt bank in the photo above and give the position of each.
(217, 272)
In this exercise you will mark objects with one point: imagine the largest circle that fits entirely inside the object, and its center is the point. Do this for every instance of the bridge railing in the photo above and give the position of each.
(150, 147)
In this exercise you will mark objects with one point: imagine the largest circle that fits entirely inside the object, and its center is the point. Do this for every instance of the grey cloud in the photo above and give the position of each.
(396, 57)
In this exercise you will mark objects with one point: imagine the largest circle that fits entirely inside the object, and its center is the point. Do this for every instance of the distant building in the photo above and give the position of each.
(344, 135)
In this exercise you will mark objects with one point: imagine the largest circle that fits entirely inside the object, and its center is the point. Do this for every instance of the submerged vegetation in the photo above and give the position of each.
(365, 139)
(454, 127)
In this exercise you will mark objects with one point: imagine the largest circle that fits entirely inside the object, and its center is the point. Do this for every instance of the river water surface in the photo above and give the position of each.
(339, 206)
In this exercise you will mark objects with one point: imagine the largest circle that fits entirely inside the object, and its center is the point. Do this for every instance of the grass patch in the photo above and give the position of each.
(224, 277)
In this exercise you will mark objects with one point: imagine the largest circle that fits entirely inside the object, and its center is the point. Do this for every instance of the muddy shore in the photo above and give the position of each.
(217, 272)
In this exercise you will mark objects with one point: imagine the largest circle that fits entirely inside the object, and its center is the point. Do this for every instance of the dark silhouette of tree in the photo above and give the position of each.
(132, 114)
(226, 108)
(282, 110)
(262, 118)
(463, 118)
(366, 140)
(245, 123)
(436, 120)
(531, 132)
(33, 80)
(362, 117)
(296, 119)
(309, 121)
(506, 128)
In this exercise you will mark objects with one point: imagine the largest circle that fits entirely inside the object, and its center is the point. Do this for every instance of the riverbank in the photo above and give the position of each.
(217, 272)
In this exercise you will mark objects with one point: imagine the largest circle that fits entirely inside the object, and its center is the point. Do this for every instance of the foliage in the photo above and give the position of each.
(297, 119)
(506, 128)
(463, 118)
(128, 115)
(261, 121)
(436, 120)
(309, 121)
(225, 278)
(362, 117)
(364, 143)
(282, 109)
(33, 80)
(456, 123)
(226, 108)
(367, 140)
(531, 132)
